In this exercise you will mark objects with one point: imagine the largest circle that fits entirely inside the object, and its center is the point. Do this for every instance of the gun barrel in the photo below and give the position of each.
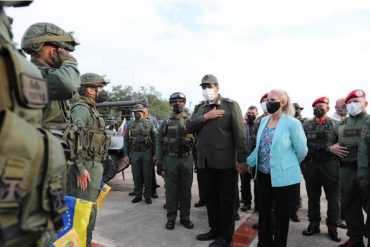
(122, 103)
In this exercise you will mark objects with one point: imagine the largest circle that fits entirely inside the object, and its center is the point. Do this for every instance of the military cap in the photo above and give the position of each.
(324, 100)
(264, 97)
(138, 107)
(355, 94)
(297, 106)
(209, 79)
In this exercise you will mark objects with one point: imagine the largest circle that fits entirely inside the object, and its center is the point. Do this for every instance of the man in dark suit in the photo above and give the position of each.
(221, 144)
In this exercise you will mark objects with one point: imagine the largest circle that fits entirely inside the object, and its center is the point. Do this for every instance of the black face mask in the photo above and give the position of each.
(177, 108)
(251, 118)
(319, 112)
(137, 115)
(297, 113)
(101, 97)
(273, 107)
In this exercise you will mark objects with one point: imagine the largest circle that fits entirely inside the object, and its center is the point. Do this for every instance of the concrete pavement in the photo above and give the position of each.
(121, 223)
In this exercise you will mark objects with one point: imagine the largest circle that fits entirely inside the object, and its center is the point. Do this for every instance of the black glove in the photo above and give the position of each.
(365, 183)
(159, 166)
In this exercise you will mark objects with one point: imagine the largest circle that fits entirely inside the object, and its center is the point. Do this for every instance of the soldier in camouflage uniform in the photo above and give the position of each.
(139, 145)
(32, 163)
(175, 161)
(49, 47)
(363, 172)
(86, 174)
(321, 170)
(353, 199)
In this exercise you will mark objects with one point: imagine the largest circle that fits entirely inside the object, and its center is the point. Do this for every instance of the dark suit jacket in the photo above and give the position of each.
(220, 141)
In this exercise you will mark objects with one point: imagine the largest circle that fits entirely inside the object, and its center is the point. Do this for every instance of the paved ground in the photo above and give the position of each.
(121, 223)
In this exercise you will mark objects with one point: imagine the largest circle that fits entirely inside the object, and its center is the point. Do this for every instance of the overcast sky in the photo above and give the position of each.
(308, 48)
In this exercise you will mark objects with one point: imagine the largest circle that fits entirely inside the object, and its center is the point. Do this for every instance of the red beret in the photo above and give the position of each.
(355, 94)
(321, 100)
(264, 97)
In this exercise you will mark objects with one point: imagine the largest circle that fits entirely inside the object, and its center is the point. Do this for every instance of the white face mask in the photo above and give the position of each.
(264, 107)
(209, 94)
(354, 108)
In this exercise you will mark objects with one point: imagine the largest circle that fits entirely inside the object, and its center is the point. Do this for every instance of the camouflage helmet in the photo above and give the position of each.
(177, 95)
(138, 107)
(94, 80)
(39, 33)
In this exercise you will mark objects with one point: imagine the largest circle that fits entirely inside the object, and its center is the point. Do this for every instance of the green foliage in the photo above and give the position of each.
(158, 107)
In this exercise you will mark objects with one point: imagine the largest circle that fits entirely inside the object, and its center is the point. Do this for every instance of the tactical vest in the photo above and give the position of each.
(139, 135)
(57, 116)
(176, 141)
(349, 136)
(92, 142)
(318, 141)
(32, 163)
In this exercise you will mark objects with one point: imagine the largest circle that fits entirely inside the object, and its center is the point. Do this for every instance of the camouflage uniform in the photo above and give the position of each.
(91, 146)
(32, 163)
(139, 145)
(62, 81)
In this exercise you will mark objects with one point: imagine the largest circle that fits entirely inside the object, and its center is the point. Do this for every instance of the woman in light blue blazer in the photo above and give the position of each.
(281, 145)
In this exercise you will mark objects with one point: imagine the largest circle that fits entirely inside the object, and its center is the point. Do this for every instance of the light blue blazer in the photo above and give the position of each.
(288, 149)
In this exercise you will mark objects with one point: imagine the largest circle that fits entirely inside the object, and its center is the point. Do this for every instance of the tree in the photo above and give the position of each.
(158, 107)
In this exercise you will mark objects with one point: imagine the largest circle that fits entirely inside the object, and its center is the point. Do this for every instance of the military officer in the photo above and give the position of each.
(348, 131)
(139, 145)
(363, 172)
(175, 161)
(154, 121)
(221, 144)
(321, 170)
(32, 163)
(49, 47)
(87, 172)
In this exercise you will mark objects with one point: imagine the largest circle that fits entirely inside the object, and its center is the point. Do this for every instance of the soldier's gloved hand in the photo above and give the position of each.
(365, 183)
(60, 56)
(212, 114)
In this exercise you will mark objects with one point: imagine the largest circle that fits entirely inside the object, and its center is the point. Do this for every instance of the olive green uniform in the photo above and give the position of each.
(174, 150)
(32, 163)
(363, 172)
(221, 143)
(62, 84)
(92, 151)
(139, 145)
(353, 199)
(321, 170)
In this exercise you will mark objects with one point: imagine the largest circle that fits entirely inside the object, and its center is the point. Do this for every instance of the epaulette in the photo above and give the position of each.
(228, 100)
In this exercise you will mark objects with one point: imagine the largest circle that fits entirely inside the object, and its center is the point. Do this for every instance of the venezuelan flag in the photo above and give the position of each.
(76, 220)
(104, 190)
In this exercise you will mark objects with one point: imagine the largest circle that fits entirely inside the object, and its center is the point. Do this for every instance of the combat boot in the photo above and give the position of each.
(353, 243)
(311, 230)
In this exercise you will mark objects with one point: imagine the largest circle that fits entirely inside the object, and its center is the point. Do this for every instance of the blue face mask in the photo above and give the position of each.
(354, 108)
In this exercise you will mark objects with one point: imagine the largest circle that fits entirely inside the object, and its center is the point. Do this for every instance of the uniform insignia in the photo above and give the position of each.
(365, 129)
(359, 93)
(34, 90)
